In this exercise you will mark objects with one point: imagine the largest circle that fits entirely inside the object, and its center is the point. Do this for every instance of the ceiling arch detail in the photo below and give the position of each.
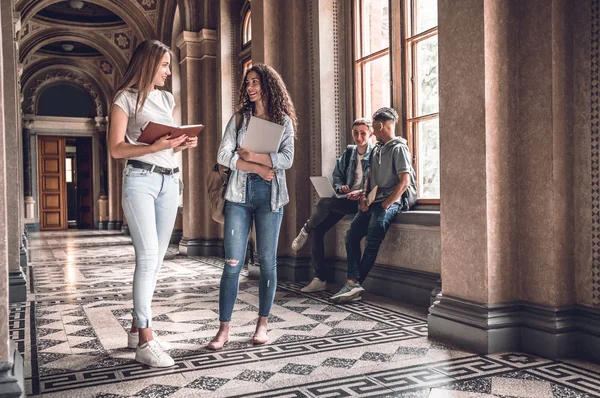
(101, 43)
(138, 14)
(61, 74)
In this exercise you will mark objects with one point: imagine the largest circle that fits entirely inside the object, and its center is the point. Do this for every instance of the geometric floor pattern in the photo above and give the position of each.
(72, 333)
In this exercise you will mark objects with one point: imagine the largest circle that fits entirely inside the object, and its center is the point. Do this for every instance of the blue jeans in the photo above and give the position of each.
(238, 220)
(150, 202)
(374, 224)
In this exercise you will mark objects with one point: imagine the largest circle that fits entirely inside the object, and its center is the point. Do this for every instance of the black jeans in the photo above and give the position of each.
(329, 211)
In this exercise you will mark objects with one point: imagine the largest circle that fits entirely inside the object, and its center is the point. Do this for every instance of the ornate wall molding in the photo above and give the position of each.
(336, 75)
(595, 133)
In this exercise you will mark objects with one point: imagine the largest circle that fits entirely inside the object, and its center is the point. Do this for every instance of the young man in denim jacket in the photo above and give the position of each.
(348, 178)
(392, 173)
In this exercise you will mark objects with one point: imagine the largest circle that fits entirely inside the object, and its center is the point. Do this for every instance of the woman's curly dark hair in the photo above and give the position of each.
(274, 94)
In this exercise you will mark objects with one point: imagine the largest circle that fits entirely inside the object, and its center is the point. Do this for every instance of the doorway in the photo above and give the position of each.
(66, 183)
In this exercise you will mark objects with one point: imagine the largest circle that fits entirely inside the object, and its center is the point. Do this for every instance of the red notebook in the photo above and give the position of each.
(154, 131)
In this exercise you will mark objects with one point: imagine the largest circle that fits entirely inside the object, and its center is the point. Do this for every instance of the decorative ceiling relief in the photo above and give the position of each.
(148, 5)
(122, 41)
(106, 67)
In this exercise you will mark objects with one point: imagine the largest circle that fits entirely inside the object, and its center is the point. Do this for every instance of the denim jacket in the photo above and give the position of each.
(343, 177)
(281, 160)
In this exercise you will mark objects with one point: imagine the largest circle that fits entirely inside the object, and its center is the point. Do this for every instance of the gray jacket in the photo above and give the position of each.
(387, 161)
(281, 160)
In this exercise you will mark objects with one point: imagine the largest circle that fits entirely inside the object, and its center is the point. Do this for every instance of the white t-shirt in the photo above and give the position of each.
(157, 108)
(358, 173)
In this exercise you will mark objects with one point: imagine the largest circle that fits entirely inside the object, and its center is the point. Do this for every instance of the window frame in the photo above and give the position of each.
(411, 120)
(359, 59)
(401, 93)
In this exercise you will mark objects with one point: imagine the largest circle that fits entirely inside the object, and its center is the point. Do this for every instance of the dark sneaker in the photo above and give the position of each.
(347, 293)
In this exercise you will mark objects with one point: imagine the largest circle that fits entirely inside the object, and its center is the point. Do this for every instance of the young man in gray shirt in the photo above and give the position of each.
(392, 173)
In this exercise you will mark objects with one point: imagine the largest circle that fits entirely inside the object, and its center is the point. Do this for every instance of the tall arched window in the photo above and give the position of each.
(396, 64)
(246, 50)
(247, 28)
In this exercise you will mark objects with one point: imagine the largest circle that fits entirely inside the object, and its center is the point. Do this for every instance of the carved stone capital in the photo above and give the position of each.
(28, 121)
(101, 122)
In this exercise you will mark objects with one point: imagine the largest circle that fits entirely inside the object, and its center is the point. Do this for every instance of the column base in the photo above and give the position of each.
(12, 374)
(103, 225)
(23, 258)
(564, 332)
(125, 229)
(176, 236)
(403, 284)
(111, 225)
(293, 268)
(32, 227)
(201, 247)
(17, 290)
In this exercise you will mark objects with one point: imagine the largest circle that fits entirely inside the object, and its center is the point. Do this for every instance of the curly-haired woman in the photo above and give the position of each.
(256, 190)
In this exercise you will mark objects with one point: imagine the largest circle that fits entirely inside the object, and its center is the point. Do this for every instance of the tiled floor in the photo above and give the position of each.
(72, 333)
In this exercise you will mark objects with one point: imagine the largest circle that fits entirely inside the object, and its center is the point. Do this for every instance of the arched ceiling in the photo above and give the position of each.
(70, 13)
(96, 38)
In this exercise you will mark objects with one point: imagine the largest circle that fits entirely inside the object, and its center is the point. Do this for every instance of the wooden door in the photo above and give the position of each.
(53, 187)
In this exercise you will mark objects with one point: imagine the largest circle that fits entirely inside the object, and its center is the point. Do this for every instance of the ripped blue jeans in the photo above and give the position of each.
(238, 220)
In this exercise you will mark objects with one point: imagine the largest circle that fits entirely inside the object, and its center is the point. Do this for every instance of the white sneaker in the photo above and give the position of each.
(151, 354)
(316, 285)
(133, 338)
(300, 240)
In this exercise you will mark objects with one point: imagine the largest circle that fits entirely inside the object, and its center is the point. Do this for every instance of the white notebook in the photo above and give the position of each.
(263, 136)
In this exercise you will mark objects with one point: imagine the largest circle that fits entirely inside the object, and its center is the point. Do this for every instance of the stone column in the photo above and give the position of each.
(114, 193)
(295, 38)
(18, 288)
(100, 152)
(506, 212)
(201, 235)
(29, 164)
(12, 282)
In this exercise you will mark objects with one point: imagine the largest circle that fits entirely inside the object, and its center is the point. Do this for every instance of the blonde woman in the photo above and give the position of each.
(150, 183)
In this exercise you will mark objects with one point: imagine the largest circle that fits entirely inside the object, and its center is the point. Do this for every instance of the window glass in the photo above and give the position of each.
(375, 25)
(376, 81)
(426, 17)
(247, 27)
(427, 76)
(429, 159)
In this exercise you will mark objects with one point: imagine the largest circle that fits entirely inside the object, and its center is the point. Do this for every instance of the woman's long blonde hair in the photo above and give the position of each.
(142, 67)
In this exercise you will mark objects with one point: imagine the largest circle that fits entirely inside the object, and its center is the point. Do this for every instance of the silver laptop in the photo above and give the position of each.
(324, 188)
(263, 136)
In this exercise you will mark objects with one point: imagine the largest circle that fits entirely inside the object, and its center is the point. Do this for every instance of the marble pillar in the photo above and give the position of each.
(296, 40)
(12, 283)
(198, 66)
(18, 288)
(115, 180)
(507, 217)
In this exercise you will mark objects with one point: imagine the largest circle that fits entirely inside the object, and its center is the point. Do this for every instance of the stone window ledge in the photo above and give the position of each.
(418, 216)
